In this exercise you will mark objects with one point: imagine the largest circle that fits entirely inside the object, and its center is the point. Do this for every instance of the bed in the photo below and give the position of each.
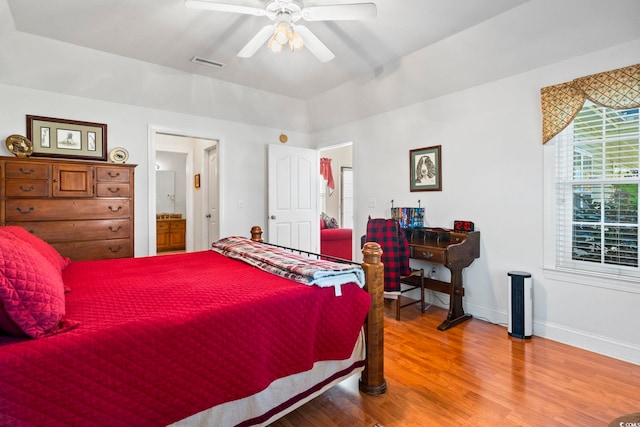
(190, 339)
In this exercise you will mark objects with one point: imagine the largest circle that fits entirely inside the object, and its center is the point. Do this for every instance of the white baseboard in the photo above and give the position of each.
(573, 337)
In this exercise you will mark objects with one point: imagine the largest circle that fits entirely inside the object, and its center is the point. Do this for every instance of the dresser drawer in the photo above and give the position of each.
(64, 231)
(112, 174)
(114, 189)
(51, 210)
(429, 253)
(26, 170)
(105, 249)
(162, 225)
(27, 188)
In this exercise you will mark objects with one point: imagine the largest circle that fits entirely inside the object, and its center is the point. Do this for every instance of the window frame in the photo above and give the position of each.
(604, 276)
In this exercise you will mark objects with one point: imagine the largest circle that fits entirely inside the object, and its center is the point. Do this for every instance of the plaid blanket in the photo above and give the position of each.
(395, 250)
(292, 266)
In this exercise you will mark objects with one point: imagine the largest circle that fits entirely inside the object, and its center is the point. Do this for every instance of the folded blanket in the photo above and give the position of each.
(292, 266)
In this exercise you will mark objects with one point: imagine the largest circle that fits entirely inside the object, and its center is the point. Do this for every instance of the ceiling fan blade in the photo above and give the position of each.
(314, 44)
(224, 7)
(256, 42)
(340, 12)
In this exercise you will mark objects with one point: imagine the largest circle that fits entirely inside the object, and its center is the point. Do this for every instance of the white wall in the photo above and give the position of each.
(493, 174)
(242, 150)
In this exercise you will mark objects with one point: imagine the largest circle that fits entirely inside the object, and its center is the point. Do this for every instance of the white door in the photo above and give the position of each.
(213, 228)
(293, 174)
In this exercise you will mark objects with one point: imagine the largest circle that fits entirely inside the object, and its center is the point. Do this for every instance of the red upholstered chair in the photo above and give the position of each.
(399, 277)
(336, 242)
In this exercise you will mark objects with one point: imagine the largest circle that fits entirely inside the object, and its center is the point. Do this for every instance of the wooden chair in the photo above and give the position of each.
(399, 277)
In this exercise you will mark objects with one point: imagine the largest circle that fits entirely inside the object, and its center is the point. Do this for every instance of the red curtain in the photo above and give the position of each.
(327, 173)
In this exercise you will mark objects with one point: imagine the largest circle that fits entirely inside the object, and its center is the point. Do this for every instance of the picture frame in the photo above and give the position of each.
(70, 139)
(196, 181)
(425, 168)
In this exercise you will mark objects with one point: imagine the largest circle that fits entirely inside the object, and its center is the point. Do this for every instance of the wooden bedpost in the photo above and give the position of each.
(372, 379)
(256, 233)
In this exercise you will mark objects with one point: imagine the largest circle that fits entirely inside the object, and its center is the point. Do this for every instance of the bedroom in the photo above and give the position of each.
(493, 167)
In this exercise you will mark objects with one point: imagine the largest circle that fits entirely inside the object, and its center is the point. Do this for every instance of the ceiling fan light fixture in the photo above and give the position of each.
(285, 35)
(285, 14)
(295, 41)
(274, 45)
(282, 34)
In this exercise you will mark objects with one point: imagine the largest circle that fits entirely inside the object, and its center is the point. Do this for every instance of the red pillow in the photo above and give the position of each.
(39, 245)
(31, 290)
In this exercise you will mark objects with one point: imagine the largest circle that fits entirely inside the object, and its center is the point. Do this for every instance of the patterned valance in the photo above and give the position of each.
(618, 89)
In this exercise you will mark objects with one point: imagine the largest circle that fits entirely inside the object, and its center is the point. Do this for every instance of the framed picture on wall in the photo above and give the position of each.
(69, 139)
(425, 169)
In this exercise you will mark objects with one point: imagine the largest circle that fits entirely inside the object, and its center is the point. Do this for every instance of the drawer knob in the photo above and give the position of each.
(116, 209)
(27, 172)
(26, 190)
(116, 249)
(19, 209)
(116, 230)
(113, 175)
(111, 190)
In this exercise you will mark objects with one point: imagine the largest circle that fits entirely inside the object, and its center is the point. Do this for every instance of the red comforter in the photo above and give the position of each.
(162, 338)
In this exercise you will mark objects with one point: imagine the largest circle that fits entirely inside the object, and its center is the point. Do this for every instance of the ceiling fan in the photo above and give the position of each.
(284, 30)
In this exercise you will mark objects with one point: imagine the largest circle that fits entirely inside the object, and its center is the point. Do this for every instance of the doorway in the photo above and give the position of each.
(332, 201)
(338, 202)
(192, 156)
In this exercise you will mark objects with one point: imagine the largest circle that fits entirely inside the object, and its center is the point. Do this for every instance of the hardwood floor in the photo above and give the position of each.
(476, 375)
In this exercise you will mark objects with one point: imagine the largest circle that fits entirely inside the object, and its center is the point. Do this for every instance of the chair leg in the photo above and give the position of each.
(398, 308)
(422, 304)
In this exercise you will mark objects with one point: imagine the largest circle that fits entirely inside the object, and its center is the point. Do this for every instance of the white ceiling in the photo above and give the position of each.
(167, 33)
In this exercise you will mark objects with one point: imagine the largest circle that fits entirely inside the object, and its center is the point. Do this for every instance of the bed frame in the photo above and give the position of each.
(372, 378)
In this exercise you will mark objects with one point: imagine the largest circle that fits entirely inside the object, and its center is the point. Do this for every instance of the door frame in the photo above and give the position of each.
(192, 154)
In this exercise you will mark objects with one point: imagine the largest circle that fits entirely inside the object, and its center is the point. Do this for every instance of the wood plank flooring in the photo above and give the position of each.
(476, 375)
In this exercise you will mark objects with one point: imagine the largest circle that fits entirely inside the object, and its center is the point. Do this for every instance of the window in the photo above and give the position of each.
(597, 182)
(347, 197)
(322, 191)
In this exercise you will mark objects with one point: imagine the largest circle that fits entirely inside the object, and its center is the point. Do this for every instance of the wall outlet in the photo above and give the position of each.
(372, 202)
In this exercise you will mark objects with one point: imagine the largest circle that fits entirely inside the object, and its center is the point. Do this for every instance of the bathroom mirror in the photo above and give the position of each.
(165, 191)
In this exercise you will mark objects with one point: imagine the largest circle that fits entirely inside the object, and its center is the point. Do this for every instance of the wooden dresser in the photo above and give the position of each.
(84, 209)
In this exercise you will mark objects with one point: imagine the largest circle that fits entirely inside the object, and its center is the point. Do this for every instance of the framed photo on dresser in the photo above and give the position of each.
(70, 139)
(425, 169)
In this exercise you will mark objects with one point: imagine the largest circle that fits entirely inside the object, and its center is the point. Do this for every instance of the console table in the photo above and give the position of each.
(454, 250)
